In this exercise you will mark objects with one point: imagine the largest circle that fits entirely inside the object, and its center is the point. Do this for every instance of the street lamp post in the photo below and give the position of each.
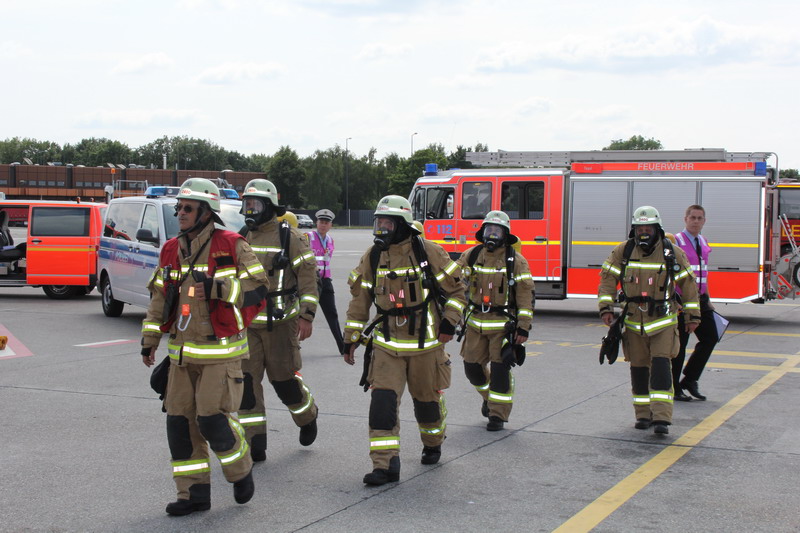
(412, 143)
(346, 182)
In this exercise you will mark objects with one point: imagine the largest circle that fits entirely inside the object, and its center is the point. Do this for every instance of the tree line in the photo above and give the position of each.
(310, 182)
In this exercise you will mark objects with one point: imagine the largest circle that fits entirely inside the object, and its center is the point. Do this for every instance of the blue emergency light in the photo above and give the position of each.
(431, 169)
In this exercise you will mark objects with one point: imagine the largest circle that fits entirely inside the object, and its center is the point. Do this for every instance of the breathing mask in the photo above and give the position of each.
(384, 230)
(256, 211)
(494, 236)
(646, 236)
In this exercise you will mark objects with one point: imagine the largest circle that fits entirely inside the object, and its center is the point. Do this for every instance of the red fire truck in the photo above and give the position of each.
(571, 208)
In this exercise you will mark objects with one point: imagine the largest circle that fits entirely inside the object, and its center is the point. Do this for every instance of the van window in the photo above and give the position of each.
(171, 227)
(150, 219)
(60, 222)
(523, 200)
(476, 199)
(122, 220)
(433, 203)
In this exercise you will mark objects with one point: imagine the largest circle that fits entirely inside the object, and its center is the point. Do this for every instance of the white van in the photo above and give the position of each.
(135, 229)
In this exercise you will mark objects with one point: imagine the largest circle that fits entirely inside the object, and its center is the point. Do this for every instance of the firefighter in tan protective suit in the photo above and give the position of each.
(499, 315)
(275, 333)
(419, 298)
(649, 268)
(208, 285)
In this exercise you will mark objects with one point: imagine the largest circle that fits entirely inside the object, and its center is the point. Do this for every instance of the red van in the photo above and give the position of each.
(50, 244)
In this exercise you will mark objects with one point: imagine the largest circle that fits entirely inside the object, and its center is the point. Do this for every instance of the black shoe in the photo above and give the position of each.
(681, 397)
(184, 507)
(660, 428)
(381, 476)
(495, 423)
(244, 488)
(308, 433)
(642, 423)
(485, 409)
(431, 454)
(693, 389)
(258, 455)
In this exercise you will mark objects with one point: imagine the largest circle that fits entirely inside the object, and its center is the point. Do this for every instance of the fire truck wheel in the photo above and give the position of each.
(796, 275)
(61, 292)
(111, 307)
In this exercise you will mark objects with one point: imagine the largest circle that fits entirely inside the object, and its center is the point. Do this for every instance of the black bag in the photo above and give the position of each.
(609, 349)
(158, 379)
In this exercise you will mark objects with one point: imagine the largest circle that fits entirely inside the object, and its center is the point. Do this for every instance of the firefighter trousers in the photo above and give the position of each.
(496, 384)
(651, 372)
(201, 402)
(427, 375)
(276, 353)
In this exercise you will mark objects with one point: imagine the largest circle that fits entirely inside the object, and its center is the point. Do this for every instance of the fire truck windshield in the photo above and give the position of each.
(789, 202)
(433, 203)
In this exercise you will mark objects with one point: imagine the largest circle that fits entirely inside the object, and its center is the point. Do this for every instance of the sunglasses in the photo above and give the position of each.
(186, 208)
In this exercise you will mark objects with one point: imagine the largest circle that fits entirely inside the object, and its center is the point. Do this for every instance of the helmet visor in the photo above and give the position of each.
(384, 226)
(494, 232)
(253, 206)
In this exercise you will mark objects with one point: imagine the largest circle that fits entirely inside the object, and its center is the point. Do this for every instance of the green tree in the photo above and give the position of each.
(288, 175)
(637, 142)
(402, 178)
(324, 182)
(458, 159)
(96, 152)
(790, 174)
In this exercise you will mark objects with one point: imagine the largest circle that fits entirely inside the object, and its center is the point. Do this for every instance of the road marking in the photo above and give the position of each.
(597, 511)
(766, 333)
(104, 343)
(754, 354)
(14, 348)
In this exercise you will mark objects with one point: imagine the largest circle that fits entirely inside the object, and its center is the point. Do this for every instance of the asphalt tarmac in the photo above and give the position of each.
(83, 444)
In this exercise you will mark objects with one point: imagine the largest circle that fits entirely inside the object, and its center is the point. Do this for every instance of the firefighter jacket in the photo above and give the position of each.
(650, 304)
(239, 281)
(408, 313)
(489, 305)
(293, 289)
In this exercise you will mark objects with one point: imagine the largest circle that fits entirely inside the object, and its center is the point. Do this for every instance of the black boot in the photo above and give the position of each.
(381, 476)
(660, 428)
(184, 507)
(485, 409)
(495, 423)
(693, 389)
(199, 500)
(244, 488)
(308, 433)
(431, 454)
(642, 423)
(258, 448)
(681, 397)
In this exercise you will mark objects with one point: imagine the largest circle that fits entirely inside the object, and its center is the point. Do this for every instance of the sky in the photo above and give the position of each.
(253, 76)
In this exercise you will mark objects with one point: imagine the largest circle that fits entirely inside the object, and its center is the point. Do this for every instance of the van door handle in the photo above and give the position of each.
(36, 241)
(539, 238)
(449, 238)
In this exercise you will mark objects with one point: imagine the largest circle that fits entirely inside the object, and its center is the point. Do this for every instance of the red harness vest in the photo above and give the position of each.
(222, 252)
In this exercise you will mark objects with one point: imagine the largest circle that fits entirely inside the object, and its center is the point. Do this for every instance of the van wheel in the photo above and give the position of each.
(796, 275)
(111, 307)
(61, 292)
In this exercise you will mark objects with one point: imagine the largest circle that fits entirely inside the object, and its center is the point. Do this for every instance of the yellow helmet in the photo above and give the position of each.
(289, 217)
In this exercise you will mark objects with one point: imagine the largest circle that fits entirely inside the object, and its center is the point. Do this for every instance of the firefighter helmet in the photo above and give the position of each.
(394, 206)
(498, 219)
(202, 190)
(289, 217)
(646, 215)
(263, 189)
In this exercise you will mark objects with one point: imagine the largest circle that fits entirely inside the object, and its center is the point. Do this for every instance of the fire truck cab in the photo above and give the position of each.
(570, 209)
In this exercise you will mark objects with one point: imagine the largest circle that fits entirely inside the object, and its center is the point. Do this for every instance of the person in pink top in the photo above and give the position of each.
(322, 245)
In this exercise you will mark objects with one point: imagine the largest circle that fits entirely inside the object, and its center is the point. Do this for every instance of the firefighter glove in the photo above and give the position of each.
(447, 328)
(508, 356)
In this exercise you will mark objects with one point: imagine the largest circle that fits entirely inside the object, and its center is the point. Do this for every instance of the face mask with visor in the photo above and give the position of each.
(384, 229)
(256, 210)
(494, 236)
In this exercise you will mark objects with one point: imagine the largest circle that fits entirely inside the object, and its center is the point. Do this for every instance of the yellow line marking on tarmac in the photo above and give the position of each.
(753, 354)
(736, 366)
(767, 333)
(600, 509)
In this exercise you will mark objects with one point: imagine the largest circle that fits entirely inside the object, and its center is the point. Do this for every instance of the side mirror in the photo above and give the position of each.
(145, 235)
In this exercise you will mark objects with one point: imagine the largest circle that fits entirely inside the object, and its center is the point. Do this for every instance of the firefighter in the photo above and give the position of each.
(287, 319)
(208, 285)
(649, 269)
(498, 317)
(419, 299)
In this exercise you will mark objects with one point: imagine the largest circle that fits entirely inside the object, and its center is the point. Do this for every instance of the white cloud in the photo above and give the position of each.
(14, 50)
(439, 113)
(150, 118)
(230, 73)
(534, 105)
(464, 81)
(703, 43)
(143, 63)
(382, 51)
